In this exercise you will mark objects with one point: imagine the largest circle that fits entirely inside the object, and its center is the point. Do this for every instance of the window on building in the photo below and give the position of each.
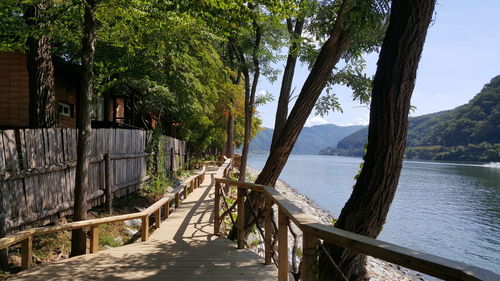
(65, 109)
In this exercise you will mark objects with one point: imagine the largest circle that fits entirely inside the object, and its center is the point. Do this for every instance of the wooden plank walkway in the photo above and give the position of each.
(183, 248)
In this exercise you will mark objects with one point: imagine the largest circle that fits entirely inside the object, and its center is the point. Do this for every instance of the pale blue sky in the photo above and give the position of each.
(461, 54)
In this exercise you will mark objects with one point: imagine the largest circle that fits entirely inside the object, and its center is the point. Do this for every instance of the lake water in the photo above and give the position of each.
(446, 209)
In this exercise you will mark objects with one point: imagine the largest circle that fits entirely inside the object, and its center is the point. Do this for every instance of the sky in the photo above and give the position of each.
(461, 54)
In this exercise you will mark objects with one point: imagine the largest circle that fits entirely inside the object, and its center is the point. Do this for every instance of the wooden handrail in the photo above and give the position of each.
(312, 231)
(26, 236)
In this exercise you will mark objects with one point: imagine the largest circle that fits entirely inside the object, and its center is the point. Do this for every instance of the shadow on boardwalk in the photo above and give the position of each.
(183, 248)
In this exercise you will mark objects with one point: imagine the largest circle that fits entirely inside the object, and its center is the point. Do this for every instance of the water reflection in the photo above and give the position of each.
(447, 209)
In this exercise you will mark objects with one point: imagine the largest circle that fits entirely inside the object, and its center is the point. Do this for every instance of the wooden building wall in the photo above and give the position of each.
(14, 95)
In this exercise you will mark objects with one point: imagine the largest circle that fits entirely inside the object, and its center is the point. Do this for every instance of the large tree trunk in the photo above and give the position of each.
(43, 110)
(316, 81)
(79, 237)
(287, 81)
(250, 100)
(230, 133)
(366, 210)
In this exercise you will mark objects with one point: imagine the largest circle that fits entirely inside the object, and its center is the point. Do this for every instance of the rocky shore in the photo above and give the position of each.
(379, 270)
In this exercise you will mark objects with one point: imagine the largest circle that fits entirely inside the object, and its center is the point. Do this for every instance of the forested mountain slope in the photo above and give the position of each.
(475, 122)
(311, 139)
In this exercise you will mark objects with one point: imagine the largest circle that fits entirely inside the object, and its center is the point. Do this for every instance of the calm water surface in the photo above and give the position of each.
(450, 210)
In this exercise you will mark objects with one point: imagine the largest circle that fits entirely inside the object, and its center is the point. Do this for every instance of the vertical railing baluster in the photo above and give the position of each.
(166, 210)
(94, 239)
(283, 270)
(308, 257)
(268, 231)
(26, 252)
(241, 218)
(145, 228)
(217, 208)
(158, 218)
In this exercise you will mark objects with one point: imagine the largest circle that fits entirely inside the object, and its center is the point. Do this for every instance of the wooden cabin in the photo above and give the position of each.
(114, 109)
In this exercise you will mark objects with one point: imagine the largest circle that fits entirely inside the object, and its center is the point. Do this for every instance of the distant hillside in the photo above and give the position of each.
(310, 141)
(476, 122)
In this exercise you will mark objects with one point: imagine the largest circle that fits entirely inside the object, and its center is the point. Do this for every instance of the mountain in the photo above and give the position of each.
(472, 123)
(311, 140)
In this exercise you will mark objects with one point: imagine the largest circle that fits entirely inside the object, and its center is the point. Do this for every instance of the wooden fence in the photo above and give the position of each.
(37, 171)
(175, 154)
(162, 208)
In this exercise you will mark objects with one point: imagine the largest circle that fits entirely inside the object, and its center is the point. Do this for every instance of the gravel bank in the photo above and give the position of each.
(379, 270)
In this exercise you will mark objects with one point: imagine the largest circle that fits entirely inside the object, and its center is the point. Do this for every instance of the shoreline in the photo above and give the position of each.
(378, 270)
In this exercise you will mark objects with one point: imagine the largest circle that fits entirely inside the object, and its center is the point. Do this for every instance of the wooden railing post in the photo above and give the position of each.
(268, 231)
(145, 228)
(177, 200)
(185, 192)
(94, 239)
(166, 210)
(283, 270)
(157, 218)
(107, 186)
(172, 160)
(241, 218)
(217, 208)
(26, 252)
(308, 257)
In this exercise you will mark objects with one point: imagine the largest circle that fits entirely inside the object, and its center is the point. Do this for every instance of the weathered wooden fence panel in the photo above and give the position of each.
(37, 171)
(175, 154)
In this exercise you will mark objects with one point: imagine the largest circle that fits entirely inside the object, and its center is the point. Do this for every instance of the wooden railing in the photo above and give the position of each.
(26, 237)
(313, 232)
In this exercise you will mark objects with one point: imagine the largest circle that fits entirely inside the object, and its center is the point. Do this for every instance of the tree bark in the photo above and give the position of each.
(366, 210)
(230, 133)
(79, 237)
(250, 99)
(316, 81)
(43, 109)
(287, 81)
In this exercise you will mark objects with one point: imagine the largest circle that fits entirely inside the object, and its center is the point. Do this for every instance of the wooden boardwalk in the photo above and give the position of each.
(183, 248)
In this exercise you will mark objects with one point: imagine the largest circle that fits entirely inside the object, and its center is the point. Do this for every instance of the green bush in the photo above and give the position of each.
(157, 184)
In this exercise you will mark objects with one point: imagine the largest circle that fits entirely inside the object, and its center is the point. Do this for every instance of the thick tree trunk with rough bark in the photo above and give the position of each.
(250, 100)
(248, 124)
(79, 237)
(230, 133)
(366, 210)
(316, 81)
(43, 110)
(287, 81)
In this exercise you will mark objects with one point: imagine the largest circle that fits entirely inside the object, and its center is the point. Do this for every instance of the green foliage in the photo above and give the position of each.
(483, 152)
(157, 158)
(233, 175)
(13, 29)
(472, 123)
(180, 56)
(157, 185)
(368, 21)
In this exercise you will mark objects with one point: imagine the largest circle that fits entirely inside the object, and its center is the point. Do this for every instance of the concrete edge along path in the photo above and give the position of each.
(183, 248)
